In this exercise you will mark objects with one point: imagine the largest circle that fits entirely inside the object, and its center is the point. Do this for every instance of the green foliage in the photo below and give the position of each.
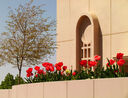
(8, 82)
(17, 80)
(112, 70)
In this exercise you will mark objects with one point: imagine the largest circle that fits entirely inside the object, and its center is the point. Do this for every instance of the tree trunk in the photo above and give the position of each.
(20, 68)
(19, 80)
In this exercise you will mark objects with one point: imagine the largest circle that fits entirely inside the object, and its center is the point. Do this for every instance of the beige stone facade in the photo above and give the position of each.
(102, 24)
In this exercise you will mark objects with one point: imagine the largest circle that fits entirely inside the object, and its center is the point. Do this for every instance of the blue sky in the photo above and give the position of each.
(50, 7)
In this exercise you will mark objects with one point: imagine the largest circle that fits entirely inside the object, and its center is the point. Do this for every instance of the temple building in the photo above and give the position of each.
(91, 27)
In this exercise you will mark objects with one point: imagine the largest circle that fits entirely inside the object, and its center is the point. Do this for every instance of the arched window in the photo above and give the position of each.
(87, 38)
(86, 51)
(87, 44)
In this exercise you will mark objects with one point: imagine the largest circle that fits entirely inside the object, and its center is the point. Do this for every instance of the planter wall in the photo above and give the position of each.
(96, 88)
(5, 93)
(80, 89)
(111, 88)
(35, 90)
(55, 89)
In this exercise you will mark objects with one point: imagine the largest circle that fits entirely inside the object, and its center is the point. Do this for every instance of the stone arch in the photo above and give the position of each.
(88, 26)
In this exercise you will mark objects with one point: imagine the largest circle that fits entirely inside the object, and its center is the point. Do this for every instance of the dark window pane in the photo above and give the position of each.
(81, 53)
(89, 44)
(85, 51)
(89, 52)
(85, 45)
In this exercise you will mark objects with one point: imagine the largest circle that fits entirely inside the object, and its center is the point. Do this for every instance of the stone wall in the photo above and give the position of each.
(97, 88)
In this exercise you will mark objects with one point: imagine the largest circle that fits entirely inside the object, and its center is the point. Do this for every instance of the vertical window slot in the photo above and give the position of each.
(89, 52)
(85, 51)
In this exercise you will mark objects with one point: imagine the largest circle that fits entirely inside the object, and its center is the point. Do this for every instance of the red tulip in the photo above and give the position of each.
(64, 68)
(111, 62)
(45, 64)
(37, 68)
(51, 68)
(74, 73)
(119, 55)
(97, 57)
(58, 68)
(108, 64)
(47, 68)
(60, 64)
(92, 63)
(83, 62)
(36, 75)
(121, 62)
(40, 72)
(29, 74)
(29, 70)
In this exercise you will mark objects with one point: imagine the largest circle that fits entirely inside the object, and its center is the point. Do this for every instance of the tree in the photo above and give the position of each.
(30, 37)
(17, 80)
(8, 82)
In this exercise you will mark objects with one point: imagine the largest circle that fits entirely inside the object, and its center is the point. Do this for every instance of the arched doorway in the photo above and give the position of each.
(88, 38)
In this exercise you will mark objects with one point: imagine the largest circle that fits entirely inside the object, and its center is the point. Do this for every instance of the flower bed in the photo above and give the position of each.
(90, 69)
(110, 87)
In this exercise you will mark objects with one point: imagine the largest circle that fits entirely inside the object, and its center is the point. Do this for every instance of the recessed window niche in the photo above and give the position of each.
(88, 38)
